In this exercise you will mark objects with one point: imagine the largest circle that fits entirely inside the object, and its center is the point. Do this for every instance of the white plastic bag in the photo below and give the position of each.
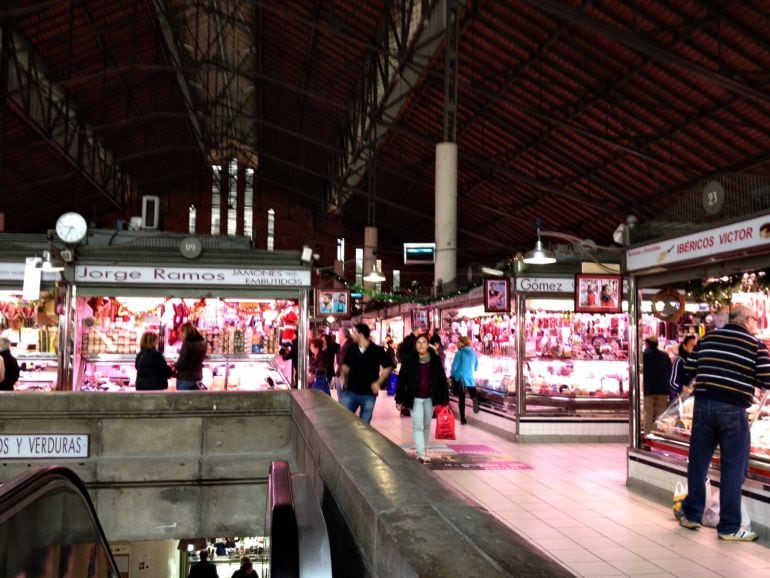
(711, 511)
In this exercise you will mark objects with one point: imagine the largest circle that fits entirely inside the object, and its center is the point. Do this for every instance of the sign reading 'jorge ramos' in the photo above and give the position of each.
(42, 446)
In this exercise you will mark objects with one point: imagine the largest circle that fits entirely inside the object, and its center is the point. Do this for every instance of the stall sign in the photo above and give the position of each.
(545, 284)
(43, 446)
(712, 243)
(250, 277)
(15, 272)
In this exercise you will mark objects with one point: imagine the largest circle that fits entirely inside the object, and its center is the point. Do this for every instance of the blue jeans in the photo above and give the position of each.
(422, 414)
(353, 401)
(716, 423)
(186, 384)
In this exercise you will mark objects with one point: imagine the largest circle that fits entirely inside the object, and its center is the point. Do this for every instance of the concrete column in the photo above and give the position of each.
(370, 259)
(270, 229)
(446, 216)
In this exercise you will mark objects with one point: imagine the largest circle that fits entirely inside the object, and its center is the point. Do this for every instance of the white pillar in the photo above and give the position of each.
(446, 215)
(370, 249)
(270, 229)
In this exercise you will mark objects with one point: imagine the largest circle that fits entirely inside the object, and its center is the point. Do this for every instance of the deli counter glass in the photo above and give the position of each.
(243, 339)
(670, 435)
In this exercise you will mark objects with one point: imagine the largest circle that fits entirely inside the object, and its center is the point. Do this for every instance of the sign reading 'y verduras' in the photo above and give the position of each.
(43, 446)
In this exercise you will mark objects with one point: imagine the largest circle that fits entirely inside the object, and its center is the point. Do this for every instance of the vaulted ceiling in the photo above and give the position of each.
(575, 113)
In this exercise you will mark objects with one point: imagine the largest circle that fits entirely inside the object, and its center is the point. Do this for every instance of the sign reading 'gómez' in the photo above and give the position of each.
(187, 276)
(42, 446)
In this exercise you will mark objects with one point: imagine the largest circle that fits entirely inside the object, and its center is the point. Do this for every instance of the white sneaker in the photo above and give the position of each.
(741, 535)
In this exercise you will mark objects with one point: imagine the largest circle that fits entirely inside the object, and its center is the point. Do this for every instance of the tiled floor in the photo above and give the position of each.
(574, 504)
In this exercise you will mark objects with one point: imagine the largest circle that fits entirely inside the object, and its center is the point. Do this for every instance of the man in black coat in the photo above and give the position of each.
(204, 568)
(656, 371)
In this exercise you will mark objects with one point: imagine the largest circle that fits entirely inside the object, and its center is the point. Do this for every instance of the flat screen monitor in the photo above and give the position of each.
(419, 253)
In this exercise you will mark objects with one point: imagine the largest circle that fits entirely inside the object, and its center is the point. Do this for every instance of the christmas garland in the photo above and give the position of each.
(718, 293)
(385, 298)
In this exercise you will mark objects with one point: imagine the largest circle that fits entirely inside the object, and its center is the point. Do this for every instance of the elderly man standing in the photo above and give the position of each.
(365, 368)
(727, 364)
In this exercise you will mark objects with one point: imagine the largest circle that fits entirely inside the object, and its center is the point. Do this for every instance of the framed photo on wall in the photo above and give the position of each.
(598, 293)
(332, 302)
(421, 318)
(497, 295)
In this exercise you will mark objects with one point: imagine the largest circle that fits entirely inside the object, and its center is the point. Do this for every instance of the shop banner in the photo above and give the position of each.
(712, 243)
(545, 284)
(43, 446)
(127, 274)
(15, 272)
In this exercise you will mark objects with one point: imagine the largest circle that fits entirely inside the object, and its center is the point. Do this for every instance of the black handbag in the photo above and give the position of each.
(457, 386)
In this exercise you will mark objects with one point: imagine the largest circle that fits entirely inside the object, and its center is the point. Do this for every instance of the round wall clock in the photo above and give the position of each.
(71, 227)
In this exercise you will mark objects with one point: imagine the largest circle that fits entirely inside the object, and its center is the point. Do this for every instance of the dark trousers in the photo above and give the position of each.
(461, 399)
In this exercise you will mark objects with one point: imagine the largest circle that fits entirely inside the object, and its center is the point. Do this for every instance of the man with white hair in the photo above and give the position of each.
(9, 367)
(727, 364)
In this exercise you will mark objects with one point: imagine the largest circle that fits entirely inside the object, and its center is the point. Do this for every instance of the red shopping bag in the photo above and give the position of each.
(445, 423)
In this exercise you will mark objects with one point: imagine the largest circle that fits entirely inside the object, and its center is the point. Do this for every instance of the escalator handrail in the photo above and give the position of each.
(35, 483)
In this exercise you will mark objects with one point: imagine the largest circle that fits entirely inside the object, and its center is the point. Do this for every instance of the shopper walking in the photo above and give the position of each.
(679, 377)
(727, 365)
(152, 371)
(365, 368)
(421, 385)
(189, 364)
(246, 570)
(9, 367)
(464, 366)
(656, 372)
(407, 346)
(204, 568)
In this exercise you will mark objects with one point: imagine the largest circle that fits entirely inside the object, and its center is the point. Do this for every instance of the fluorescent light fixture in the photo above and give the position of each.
(374, 276)
(492, 272)
(539, 255)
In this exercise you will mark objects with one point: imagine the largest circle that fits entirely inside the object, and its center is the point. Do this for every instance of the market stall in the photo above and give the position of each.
(31, 325)
(85, 330)
(548, 372)
(709, 269)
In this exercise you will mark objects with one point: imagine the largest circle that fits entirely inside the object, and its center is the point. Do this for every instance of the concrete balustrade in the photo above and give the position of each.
(182, 465)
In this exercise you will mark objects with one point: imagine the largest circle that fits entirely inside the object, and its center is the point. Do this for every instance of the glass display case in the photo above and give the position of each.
(38, 372)
(575, 362)
(570, 385)
(495, 377)
(243, 338)
(671, 432)
(32, 329)
(116, 372)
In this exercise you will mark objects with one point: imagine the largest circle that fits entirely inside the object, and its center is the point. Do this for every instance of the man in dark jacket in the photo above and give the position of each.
(656, 371)
(204, 568)
(727, 364)
(365, 368)
(407, 346)
(9, 367)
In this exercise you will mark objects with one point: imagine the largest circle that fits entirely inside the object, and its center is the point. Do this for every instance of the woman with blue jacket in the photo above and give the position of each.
(464, 365)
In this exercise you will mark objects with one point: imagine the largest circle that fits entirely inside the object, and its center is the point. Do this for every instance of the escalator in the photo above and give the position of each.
(49, 528)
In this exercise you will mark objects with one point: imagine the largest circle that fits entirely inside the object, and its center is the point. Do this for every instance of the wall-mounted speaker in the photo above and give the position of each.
(150, 211)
